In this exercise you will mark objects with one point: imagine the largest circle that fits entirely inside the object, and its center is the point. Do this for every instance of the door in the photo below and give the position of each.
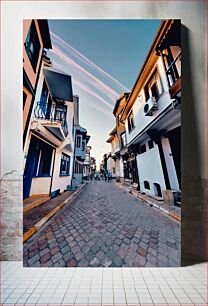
(31, 164)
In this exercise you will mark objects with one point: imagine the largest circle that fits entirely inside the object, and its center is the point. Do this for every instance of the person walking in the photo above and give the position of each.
(106, 175)
(109, 176)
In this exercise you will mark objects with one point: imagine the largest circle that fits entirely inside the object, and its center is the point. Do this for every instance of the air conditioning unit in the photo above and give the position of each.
(150, 106)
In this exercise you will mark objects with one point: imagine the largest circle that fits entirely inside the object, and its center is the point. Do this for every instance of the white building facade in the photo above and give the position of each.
(50, 144)
(152, 116)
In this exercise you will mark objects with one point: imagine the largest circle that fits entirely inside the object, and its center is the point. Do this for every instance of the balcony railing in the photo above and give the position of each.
(174, 70)
(53, 112)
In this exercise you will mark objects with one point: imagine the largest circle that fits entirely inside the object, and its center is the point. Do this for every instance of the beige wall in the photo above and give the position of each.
(31, 74)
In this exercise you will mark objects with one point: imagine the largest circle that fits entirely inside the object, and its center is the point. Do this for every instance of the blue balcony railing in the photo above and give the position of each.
(52, 112)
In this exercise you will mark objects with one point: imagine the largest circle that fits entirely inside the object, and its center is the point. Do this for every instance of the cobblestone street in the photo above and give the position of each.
(106, 226)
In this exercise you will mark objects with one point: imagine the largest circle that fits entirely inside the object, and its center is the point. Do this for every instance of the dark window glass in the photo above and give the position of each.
(43, 98)
(43, 162)
(65, 165)
(78, 141)
(32, 45)
(154, 90)
(150, 144)
(146, 91)
(130, 121)
(24, 98)
(142, 149)
(123, 140)
(157, 189)
(146, 185)
(83, 145)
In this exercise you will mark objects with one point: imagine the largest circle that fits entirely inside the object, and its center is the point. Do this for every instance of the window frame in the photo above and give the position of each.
(121, 140)
(32, 39)
(130, 121)
(78, 142)
(66, 158)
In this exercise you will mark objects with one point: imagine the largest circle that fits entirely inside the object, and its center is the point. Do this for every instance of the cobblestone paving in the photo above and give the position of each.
(106, 226)
(35, 214)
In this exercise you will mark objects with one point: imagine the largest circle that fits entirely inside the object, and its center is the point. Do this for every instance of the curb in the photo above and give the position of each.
(35, 228)
(148, 201)
(35, 204)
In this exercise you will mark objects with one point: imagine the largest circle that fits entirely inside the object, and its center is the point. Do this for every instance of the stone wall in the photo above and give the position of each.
(11, 217)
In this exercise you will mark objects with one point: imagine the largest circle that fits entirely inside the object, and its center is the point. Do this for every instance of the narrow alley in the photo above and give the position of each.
(105, 226)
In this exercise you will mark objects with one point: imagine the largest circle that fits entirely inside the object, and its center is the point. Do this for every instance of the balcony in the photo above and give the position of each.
(174, 76)
(53, 117)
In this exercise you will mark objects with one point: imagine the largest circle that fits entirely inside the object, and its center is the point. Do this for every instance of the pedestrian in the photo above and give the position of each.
(109, 176)
(91, 176)
(106, 175)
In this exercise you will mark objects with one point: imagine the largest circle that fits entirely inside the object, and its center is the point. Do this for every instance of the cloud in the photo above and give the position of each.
(83, 58)
(90, 77)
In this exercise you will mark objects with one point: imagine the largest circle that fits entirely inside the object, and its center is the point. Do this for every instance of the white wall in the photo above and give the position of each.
(150, 169)
(40, 185)
(140, 120)
(121, 168)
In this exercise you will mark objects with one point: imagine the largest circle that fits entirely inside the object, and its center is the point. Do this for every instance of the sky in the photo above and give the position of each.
(103, 58)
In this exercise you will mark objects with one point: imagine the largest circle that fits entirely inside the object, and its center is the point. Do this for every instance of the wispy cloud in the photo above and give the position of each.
(83, 58)
(93, 79)
(89, 91)
(86, 89)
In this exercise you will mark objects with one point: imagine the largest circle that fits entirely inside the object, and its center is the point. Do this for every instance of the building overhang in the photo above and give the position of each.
(113, 132)
(68, 147)
(110, 139)
(147, 66)
(167, 120)
(56, 129)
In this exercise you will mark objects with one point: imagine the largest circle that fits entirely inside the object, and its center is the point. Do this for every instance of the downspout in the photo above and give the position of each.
(52, 171)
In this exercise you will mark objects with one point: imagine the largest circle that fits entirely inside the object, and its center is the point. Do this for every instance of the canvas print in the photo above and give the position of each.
(102, 143)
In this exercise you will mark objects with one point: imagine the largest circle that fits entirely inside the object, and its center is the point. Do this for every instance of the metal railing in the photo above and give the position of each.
(172, 71)
(53, 113)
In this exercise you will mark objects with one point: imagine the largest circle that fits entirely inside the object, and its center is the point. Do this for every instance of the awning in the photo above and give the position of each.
(59, 84)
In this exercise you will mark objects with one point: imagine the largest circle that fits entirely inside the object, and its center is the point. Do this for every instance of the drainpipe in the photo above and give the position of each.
(52, 171)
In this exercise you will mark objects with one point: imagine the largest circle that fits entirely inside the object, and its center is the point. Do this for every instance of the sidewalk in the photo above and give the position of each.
(172, 211)
(36, 217)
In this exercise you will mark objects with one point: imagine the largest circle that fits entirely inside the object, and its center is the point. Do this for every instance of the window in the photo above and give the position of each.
(78, 141)
(123, 140)
(157, 189)
(43, 161)
(142, 149)
(146, 185)
(130, 121)
(83, 145)
(150, 144)
(43, 98)
(172, 61)
(24, 98)
(65, 165)
(118, 119)
(154, 86)
(32, 45)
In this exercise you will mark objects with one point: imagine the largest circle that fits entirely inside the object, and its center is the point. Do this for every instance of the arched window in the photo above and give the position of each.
(157, 189)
